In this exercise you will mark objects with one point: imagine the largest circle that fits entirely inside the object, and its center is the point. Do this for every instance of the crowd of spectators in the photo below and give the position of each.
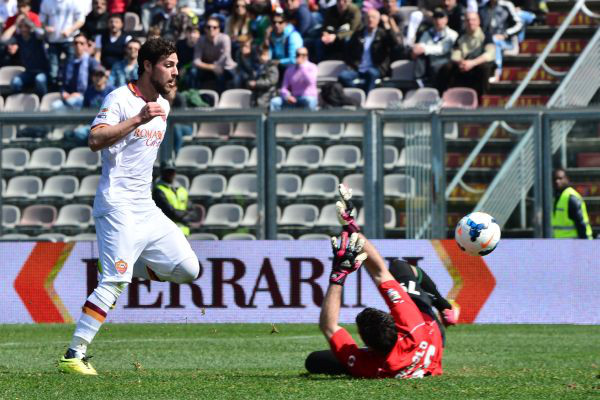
(83, 48)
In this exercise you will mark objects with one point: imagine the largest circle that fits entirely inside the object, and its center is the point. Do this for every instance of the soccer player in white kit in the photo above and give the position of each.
(134, 237)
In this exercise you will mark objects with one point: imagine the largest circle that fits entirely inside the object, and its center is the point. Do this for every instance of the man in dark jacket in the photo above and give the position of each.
(264, 82)
(367, 54)
(341, 21)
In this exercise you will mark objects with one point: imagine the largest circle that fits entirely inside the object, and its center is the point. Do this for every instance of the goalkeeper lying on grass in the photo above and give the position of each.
(407, 342)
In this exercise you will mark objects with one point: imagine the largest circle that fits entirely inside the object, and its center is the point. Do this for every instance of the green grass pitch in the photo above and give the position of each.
(247, 361)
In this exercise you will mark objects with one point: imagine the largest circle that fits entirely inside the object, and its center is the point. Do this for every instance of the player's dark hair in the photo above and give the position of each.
(377, 330)
(153, 50)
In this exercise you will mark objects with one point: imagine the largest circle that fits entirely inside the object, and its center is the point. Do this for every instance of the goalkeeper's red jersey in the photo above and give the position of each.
(417, 353)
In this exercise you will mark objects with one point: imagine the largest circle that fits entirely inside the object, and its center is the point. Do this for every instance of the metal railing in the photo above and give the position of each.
(428, 205)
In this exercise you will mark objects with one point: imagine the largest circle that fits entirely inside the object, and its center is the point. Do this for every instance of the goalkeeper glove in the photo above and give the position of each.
(347, 258)
(346, 212)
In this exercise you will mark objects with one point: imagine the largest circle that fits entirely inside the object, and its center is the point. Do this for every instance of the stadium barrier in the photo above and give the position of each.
(426, 215)
(523, 281)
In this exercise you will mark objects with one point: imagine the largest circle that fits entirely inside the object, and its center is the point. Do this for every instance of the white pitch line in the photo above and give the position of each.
(161, 340)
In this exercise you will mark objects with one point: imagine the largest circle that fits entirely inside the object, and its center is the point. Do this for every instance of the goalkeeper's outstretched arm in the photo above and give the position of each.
(375, 264)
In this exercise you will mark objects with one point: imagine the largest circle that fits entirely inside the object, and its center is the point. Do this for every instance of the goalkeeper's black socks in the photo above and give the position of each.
(429, 286)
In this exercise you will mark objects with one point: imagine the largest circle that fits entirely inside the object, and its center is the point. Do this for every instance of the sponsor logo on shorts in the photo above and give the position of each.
(393, 295)
(121, 266)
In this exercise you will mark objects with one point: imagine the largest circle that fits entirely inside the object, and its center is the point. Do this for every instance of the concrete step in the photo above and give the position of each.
(556, 18)
(574, 31)
(519, 73)
(534, 88)
(527, 60)
(537, 46)
(483, 160)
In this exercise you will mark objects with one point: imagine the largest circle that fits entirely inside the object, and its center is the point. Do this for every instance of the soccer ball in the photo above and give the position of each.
(477, 234)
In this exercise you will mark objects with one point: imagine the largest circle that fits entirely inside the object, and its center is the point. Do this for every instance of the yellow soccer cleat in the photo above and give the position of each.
(79, 366)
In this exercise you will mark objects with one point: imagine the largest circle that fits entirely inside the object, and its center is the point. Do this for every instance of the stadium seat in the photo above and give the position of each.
(242, 186)
(252, 159)
(423, 98)
(383, 98)
(398, 185)
(75, 215)
(224, 215)
(84, 237)
(389, 217)
(288, 185)
(300, 215)
(328, 71)
(1, 103)
(394, 129)
(203, 236)
(324, 130)
(415, 156)
(21, 102)
(235, 98)
(304, 156)
(47, 159)
(208, 186)
(183, 180)
(14, 159)
(403, 70)
(328, 217)
(214, 96)
(200, 215)
(88, 186)
(290, 131)
(7, 73)
(132, 23)
(213, 130)
(62, 187)
(11, 215)
(284, 236)
(38, 215)
(460, 97)
(53, 237)
(239, 236)
(353, 130)
(48, 99)
(390, 156)
(23, 188)
(320, 185)
(356, 182)
(82, 159)
(245, 129)
(357, 94)
(345, 156)
(315, 236)
(3, 186)
(195, 157)
(251, 215)
(230, 156)
(15, 236)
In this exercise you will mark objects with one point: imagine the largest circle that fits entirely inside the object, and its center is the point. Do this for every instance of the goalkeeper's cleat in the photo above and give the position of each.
(450, 315)
(74, 365)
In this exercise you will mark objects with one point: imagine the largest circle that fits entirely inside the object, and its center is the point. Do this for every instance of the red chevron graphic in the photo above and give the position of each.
(473, 281)
(34, 282)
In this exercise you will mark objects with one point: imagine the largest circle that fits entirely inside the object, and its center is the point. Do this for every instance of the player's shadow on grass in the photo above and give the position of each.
(324, 377)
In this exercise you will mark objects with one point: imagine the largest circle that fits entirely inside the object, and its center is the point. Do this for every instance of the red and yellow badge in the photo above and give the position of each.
(121, 266)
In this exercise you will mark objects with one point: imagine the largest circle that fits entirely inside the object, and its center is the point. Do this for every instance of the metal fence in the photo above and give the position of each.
(425, 207)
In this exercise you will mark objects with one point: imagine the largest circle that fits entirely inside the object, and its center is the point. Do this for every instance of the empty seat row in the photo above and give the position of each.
(50, 159)
(290, 186)
(77, 216)
(231, 216)
(238, 157)
(59, 187)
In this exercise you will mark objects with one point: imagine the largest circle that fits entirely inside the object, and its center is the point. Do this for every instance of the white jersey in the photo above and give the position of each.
(126, 181)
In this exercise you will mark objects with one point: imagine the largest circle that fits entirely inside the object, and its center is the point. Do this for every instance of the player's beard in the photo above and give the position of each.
(162, 89)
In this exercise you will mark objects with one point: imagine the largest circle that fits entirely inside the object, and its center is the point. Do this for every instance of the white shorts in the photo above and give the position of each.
(126, 236)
